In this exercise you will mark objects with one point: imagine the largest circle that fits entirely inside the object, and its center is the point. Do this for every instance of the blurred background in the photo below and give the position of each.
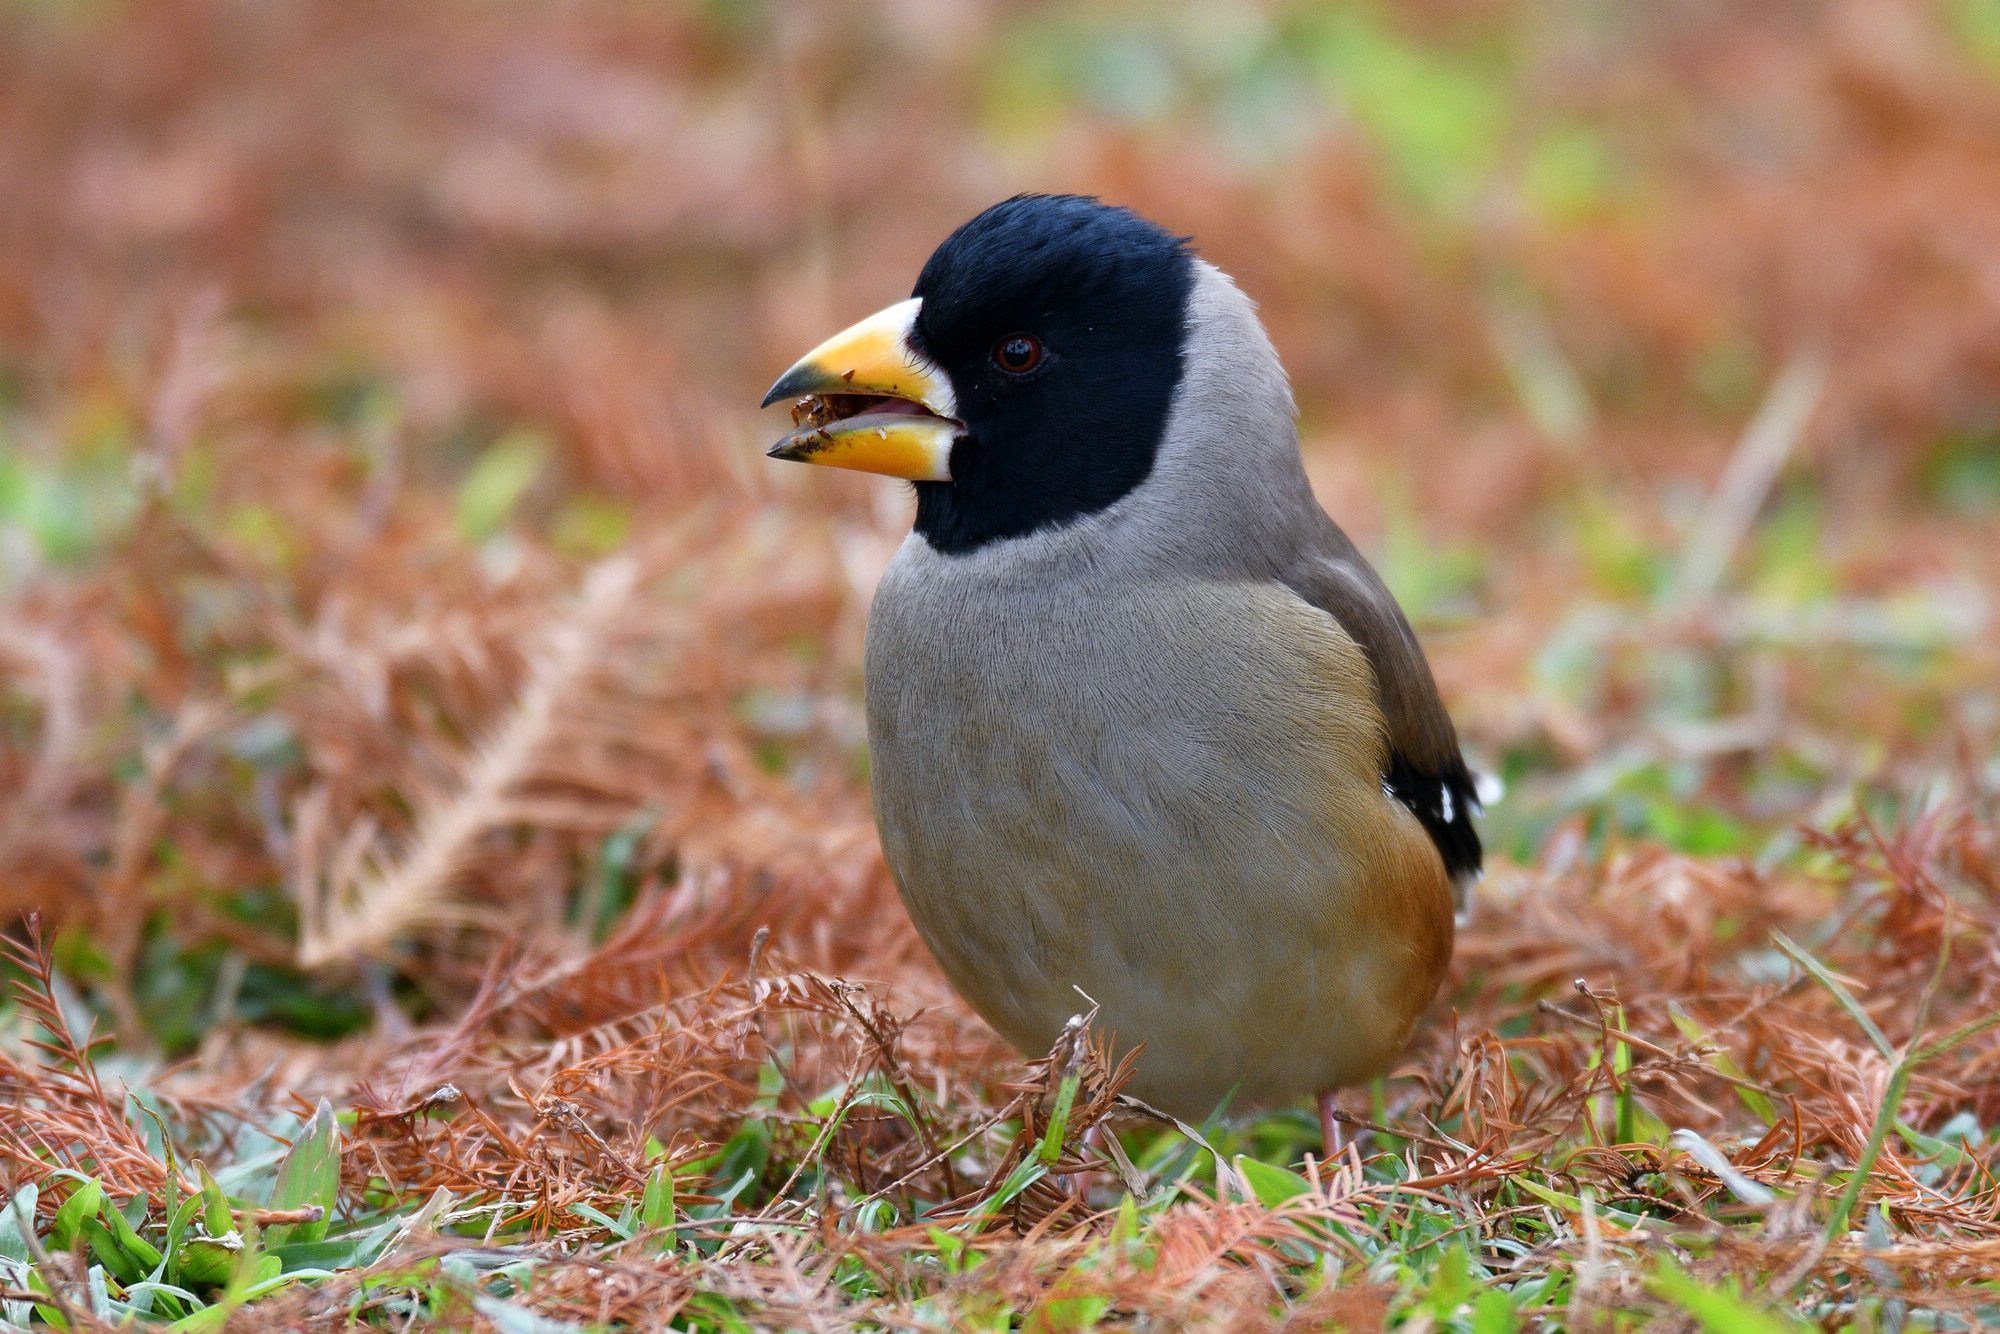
(389, 564)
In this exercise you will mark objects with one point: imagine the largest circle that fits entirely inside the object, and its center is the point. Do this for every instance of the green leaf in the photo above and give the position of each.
(1569, 174)
(743, 1161)
(1493, 1313)
(1716, 1311)
(236, 1263)
(1058, 1315)
(161, 1299)
(1126, 1227)
(612, 1225)
(591, 526)
(340, 1253)
(656, 1206)
(1571, 1204)
(1052, 1138)
(105, 1247)
(131, 1242)
(1451, 1283)
(1271, 1184)
(1561, 1201)
(83, 1202)
(1621, 1063)
(497, 482)
(951, 1249)
(874, 1215)
(310, 1175)
(214, 1204)
(1025, 1174)
(207, 1319)
(209, 1261)
(721, 1311)
(50, 1312)
(260, 533)
(1976, 24)
(1945, 1155)
(177, 1236)
(19, 1214)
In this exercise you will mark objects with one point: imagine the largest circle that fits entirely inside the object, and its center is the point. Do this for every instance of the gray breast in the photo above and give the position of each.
(1144, 791)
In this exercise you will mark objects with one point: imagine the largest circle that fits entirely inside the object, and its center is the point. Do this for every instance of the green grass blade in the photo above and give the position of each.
(1270, 1184)
(1716, 1311)
(1052, 1139)
(1838, 990)
(1760, 1105)
(309, 1177)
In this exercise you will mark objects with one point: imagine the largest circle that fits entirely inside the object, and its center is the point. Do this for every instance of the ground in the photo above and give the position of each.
(435, 861)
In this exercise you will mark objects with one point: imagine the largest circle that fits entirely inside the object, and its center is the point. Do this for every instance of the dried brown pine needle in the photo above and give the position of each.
(382, 519)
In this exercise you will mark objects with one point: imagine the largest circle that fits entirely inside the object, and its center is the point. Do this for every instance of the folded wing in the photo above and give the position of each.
(1426, 771)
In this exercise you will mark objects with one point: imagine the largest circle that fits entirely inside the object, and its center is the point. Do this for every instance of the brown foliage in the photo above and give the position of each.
(274, 277)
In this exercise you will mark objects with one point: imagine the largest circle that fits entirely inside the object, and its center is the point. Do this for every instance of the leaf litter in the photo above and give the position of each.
(435, 846)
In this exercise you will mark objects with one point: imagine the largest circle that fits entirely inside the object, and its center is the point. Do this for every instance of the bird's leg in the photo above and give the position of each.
(1329, 1124)
(1079, 1182)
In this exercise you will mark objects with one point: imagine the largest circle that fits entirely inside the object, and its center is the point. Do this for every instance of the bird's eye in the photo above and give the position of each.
(1017, 354)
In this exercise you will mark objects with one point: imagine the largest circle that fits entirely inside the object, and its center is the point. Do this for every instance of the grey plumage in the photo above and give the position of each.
(1143, 754)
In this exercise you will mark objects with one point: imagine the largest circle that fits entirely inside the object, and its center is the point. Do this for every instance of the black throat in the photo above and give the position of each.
(1012, 487)
(1106, 293)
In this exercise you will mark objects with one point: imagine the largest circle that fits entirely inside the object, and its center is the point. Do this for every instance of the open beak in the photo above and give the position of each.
(868, 401)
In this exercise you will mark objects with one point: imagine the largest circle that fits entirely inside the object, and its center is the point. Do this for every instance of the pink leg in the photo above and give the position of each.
(1079, 1182)
(1329, 1126)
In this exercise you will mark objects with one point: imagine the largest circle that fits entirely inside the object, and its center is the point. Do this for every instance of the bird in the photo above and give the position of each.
(1143, 724)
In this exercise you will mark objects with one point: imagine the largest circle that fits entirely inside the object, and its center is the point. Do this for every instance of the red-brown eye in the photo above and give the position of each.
(1017, 354)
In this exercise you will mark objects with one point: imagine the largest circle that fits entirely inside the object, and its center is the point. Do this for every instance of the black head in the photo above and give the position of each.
(1060, 322)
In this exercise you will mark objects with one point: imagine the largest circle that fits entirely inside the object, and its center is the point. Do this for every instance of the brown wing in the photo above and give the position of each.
(1426, 772)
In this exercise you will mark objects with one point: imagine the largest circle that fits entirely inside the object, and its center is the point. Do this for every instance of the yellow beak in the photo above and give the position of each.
(871, 402)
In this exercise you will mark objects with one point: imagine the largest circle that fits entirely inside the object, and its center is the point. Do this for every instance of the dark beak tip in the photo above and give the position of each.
(802, 379)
